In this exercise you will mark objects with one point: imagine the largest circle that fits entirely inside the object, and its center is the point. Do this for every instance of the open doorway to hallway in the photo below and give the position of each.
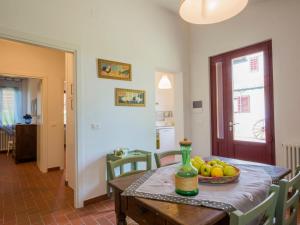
(49, 75)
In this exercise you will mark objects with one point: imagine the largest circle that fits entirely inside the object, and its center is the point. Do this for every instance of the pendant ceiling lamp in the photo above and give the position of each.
(164, 83)
(210, 11)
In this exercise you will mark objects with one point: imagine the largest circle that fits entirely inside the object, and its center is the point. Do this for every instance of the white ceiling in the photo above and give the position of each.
(173, 5)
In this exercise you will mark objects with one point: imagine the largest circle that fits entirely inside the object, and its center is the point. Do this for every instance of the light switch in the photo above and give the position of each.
(95, 126)
(198, 106)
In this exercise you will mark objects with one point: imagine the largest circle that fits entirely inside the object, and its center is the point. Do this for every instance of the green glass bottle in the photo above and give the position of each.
(186, 178)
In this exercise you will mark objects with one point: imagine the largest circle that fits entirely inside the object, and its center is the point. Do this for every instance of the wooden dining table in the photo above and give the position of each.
(154, 212)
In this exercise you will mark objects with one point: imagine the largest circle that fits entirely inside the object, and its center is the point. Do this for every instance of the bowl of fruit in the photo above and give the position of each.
(215, 171)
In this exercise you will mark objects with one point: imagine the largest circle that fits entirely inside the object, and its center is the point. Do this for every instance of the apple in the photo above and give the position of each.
(217, 171)
(205, 170)
(196, 164)
(212, 162)
(223, 163)
(199, 159)
(229, 171)
(217, 160)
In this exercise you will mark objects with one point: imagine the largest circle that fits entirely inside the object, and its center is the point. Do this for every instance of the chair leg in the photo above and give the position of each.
(108, 190)
(294, 221)
(10, 147)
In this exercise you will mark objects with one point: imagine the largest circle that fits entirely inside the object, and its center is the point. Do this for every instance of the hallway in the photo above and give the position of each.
(28, 196)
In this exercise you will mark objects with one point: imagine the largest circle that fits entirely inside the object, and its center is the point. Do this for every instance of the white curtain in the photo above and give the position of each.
(10, 106)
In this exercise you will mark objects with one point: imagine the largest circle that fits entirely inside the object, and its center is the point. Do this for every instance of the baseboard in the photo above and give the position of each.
(53, 168)
(95, 200)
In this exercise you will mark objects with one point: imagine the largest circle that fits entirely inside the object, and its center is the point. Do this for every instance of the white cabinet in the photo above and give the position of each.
(167, 138)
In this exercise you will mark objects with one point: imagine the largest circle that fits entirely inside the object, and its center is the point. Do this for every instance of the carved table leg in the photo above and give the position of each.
(120, 215)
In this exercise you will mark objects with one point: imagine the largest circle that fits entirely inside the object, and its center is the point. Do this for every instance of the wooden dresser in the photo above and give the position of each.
(26, 143)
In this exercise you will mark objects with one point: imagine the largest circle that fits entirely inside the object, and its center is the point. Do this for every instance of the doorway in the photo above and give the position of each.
(169, 120)
(20, 118)
(53, 67)
(242, 104)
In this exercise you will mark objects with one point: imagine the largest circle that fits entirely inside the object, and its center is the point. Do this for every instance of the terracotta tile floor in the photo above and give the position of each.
(29, 197)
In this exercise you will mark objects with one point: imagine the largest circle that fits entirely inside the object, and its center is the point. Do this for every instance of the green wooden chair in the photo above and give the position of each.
(133, 160)
(288, 201)
(159, 156)
(266, 210)
(133, 157)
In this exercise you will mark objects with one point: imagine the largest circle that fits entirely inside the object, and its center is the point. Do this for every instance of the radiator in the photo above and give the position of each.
(7, 141)
(292, 157)
(3, 140)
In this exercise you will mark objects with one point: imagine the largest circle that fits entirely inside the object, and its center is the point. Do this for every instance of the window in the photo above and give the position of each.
(242, 104)
(7, 106)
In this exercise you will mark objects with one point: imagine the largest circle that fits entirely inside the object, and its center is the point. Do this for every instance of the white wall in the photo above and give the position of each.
(138, 32)
(277, 20)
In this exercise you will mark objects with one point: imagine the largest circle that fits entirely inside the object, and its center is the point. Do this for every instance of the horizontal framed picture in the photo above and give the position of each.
(114, 70)
(129, 97)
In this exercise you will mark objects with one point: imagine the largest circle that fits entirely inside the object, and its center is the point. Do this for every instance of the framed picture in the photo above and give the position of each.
(114, 70)
(129, 97)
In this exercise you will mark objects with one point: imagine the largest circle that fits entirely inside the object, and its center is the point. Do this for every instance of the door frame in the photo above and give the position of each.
(268, 89)
(66, 47)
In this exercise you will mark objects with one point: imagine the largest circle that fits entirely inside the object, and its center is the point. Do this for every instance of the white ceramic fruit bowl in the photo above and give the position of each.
(220, 180)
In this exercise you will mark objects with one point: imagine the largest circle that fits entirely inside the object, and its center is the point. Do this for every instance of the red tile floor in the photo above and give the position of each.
(29, 197)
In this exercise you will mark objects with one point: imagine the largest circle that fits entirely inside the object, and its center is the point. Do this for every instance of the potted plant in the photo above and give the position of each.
(27, 118)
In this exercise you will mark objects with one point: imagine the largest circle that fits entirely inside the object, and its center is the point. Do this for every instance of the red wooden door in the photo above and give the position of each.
(242, 104)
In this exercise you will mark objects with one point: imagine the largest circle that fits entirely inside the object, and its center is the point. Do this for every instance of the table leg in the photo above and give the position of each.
(120, 215)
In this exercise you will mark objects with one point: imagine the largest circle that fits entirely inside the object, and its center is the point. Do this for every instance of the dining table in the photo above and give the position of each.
(156, 212)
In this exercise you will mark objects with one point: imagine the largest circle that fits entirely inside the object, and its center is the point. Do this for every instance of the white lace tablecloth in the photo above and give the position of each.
(248, 191)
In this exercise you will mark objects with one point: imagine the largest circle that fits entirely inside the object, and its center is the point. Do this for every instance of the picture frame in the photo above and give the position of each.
(130, 97)
(114, 70)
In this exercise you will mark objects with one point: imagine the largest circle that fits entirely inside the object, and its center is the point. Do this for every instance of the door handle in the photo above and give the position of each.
(231, 124)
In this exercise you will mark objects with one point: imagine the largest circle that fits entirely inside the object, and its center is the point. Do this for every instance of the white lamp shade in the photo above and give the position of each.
(210, 11)
(164, 83)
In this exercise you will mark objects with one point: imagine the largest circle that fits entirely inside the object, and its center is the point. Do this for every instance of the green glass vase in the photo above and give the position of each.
(186, 178)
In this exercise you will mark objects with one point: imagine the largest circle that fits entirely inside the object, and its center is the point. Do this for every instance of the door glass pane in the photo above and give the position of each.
(220, 114)
(248, 98)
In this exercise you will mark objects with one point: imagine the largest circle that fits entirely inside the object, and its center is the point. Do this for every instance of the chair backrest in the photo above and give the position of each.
(265, 210)
(288, 201)
(133, 160)
(159, 156)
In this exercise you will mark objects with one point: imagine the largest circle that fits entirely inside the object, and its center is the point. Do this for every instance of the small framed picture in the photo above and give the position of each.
(129, 97)
(114, 70)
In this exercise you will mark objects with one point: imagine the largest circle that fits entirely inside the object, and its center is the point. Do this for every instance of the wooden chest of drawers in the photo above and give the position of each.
(26, 143)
